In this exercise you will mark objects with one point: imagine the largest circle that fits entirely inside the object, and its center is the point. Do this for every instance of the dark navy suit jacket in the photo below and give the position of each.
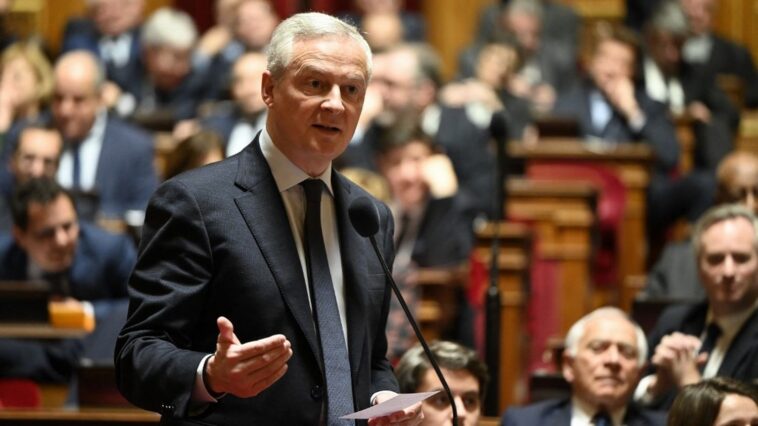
(557, 412)
(217, 241)
(81, 33)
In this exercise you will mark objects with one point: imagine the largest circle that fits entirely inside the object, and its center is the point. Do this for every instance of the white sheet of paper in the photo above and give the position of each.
(398, 403)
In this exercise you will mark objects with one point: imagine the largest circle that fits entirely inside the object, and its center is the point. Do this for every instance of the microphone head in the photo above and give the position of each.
(499, 125)
(364, 216)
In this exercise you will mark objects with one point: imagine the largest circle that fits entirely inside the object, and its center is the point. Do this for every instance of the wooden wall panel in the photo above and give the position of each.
(736, 20)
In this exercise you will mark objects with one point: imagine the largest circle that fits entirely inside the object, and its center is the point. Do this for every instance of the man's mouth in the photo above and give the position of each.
(327, 128)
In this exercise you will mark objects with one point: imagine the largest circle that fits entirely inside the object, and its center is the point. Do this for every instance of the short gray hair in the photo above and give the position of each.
(720, 214)
(308, 26)
(670, 18)
(576, 332)
(169, 27)
(527, 7)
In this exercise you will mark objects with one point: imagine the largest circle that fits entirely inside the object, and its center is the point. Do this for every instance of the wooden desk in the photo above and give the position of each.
(632, 163)
(62, 417)
(38, 331)
(562, 215)
(513, 263)
(684, 125)
(439, 292)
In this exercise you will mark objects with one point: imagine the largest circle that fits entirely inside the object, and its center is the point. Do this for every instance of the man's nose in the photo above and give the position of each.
(62, 237)
(333, 101)
(37, 168)
(460, 409)
(612, 355)
(729, 266)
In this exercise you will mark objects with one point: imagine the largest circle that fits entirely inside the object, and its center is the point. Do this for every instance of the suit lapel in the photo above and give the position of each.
(744, 341)
(263, 210)
(353, 249)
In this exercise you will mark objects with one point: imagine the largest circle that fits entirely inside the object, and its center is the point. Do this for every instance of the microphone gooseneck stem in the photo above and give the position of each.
(416, 330)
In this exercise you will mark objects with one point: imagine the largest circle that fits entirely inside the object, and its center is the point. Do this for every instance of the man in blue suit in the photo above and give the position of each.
(604, 355)
(227, 312)
(102, 153)
(79, 260)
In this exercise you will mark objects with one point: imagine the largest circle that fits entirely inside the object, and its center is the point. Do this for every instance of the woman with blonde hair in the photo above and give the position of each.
(26, 83)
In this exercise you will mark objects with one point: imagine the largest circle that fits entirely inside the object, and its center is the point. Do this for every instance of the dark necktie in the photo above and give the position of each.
(76, 177)
(712, 334)
(602, 419)
(325, 313)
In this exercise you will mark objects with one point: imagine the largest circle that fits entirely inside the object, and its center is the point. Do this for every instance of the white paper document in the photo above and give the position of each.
(398, 403)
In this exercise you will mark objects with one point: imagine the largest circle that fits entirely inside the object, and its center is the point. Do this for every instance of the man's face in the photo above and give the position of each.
(666, 51)
(728, 265)
(403, 168)
(398, 79)
(526, 28)
(168, 66)
(605, 370)
(76, 100)
(611, 61)
(255, 24)
(37, 154)
(315, 104)
(741, 186)
(247, 75)
(465, 389)
(51, 235)
(115, 17)
(700, 15)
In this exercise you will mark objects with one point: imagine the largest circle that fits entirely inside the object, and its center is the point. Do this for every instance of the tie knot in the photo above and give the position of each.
(312, 189)
(713, 329)
(602, 419)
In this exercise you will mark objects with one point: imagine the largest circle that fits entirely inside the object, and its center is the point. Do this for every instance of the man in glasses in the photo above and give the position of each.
(464, 372)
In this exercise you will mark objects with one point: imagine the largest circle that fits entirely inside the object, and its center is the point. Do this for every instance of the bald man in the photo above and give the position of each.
(675, 274)
(101, 153)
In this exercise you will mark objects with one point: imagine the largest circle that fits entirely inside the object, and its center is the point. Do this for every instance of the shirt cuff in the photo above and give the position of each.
(642, 394)
(200, 391)
(377, 394)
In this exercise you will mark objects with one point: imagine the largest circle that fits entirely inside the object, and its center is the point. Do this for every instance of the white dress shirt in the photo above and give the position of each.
(89, 156)
(243, 133)
(582, 414)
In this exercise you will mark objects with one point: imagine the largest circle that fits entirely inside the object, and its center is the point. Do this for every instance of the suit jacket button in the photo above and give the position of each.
(317, 392)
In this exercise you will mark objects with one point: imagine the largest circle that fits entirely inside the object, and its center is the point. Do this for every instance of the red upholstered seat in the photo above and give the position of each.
(19, 393)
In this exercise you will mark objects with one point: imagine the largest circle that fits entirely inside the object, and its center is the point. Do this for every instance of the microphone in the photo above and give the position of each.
(365, 220)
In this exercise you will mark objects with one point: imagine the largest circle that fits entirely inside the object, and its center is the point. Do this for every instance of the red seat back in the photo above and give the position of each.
(19, 393)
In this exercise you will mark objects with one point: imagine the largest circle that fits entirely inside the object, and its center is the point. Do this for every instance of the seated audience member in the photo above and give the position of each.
(687, 89)
(429, 231)
(169, 86)
(101, 153)
(605, 353)
(26, 83)
(464, 372)
(36, 154)
(717, 54)
(254, 22)
(111, 31)
(79, 260)
(219, 36)
(382, 30)
(718, 337)
(412, 26)
(239, 124)
(675, 275)
(610, 109)
(715, 402)
(197, 150)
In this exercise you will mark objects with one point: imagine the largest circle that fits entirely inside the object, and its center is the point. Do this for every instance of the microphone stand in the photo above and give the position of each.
(416, 329)
(492, 302)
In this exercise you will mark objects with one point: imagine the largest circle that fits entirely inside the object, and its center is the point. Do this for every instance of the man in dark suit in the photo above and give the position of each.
(718, 337)
(79, 260)
(111, 32)
(237, 125)
(610, 109)
(604, 355)
(432, 230)
(675, 275)
(102, 153)
(226, 259)
(717, 54)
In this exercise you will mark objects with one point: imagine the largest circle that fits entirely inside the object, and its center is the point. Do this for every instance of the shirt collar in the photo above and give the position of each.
(584, 412)
(730, 324)
(97, 129)
(286, 173)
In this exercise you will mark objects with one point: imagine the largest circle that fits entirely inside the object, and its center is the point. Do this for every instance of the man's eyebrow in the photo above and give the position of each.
(315, 69)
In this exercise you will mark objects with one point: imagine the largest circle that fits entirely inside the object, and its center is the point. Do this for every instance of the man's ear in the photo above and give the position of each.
(267, 88)
(567, 366)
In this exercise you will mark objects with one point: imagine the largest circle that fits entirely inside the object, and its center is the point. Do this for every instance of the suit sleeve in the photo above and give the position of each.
(659, 132)
(382, 377)
(155, 365)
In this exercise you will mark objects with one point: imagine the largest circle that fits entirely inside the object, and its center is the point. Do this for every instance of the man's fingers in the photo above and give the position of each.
(260, 347)
(226, 331)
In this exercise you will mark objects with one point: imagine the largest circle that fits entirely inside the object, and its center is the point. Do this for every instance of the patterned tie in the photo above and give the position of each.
(76, 177)
(712, 334)
(325, 313)
(602, 419)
